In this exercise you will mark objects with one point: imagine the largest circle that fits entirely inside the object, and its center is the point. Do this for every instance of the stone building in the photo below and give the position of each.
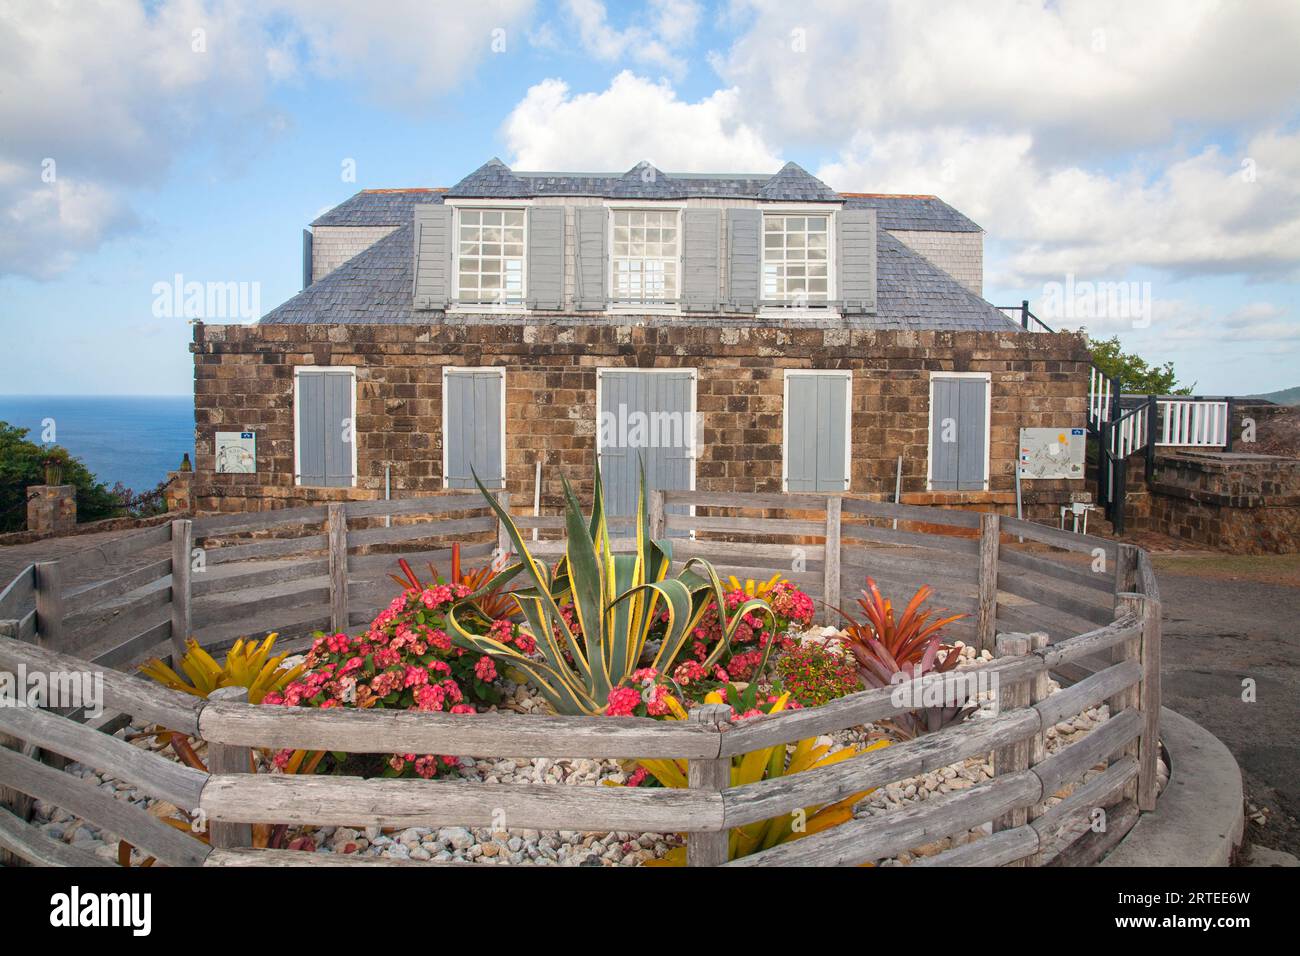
(732, 333)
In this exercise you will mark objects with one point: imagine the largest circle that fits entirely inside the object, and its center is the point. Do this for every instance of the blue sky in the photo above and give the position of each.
(1096, 143)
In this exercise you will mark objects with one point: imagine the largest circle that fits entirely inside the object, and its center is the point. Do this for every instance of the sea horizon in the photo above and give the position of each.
(132, 439)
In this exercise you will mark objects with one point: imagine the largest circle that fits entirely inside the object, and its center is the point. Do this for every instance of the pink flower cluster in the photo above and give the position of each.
(405, 660)
(644, 697)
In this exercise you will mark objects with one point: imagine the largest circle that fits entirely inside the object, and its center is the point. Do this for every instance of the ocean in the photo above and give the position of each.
(132, 439)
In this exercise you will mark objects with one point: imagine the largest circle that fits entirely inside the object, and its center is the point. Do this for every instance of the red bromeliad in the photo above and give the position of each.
(909, 644)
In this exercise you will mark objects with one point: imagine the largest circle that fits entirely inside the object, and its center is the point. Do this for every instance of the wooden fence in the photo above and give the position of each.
(825, 543)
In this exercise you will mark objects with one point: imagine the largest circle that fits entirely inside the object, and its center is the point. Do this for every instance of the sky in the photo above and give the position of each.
(1136, 166)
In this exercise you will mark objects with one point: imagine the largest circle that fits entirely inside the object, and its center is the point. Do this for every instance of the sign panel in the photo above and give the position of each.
(1052, 452)
(236, 453)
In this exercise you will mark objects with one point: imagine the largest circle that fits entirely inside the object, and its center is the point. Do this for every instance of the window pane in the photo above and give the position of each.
(644, 254)
(491, 256)
(795, 259)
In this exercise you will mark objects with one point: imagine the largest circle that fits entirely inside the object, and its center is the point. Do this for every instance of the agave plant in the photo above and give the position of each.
(886, 647)
(767, 764)
(616, 600)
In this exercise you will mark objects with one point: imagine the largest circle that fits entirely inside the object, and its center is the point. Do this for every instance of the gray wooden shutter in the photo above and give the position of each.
(958, 465)
(434, 283)
(546, 257)
(815, 432)
(311, 428)
(701, 244)
(325, 429)
(339, 429)
(856, 260)
(666, 451)
(591, 224)
(306, 258)
(744, 252)
(473, 438)
(972, 431)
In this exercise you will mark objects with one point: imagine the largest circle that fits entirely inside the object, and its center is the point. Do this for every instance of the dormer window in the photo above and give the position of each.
(796, 265)
(645, 256)
(490, 259)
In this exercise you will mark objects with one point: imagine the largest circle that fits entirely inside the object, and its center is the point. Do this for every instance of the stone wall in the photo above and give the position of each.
(1248, 504)
(244, 381)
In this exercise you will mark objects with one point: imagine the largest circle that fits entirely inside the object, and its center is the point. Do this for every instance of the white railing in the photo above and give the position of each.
(1099, 398)
(1192, 423)
(1130, 434)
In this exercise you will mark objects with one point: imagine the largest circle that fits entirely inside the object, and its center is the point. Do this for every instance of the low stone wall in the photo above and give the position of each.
(1240, 502)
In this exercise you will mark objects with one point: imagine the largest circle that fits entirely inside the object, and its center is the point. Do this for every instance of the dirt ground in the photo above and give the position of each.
(1229, 619)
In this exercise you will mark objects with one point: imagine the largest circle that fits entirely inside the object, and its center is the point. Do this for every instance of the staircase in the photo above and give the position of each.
(1125, 425)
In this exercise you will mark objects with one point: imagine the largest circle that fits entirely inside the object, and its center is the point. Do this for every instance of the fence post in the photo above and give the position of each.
(18, 803)
(709, 848)
(1038, 691)
(1014, 757)
(182, 545)
(338, 548)
(504, 545)
(1129, 696)
(831, 561)
(49, 605)
(1125, 571)
(1150, 702)
(656, 514)
(986, 622)
(227, 759)
(1024, 313)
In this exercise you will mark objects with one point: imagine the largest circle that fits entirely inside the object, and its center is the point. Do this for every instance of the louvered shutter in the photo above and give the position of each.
(744, 254)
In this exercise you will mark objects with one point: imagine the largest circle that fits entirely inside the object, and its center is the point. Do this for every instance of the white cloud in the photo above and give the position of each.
(668, 24)
(1086, 75)
(115, 92)
(1202, 213)
(634, 119)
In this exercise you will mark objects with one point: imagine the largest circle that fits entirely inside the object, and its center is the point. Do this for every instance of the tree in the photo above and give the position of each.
(22, 463)
(1133, 372)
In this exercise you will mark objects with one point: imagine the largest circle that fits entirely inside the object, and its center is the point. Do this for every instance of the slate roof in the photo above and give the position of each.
(494, 180)
(375, 288)
(911, 212)
(378, 207)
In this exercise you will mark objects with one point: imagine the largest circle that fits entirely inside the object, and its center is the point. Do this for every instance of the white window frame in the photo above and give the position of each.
(297, 459)
(847, 375)
(486, 205)
(695, 414)
(987, 378)
(667, 308)
(830, 309)
(449, 370)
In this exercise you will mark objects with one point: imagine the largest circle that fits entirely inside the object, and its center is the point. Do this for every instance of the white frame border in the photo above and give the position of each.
(987, 377)
(297, 460)
(832, 212)
(448, 370)
(630, 205)
(455, 305)
(847, 375)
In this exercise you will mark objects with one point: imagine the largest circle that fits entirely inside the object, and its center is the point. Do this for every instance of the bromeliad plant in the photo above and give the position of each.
(766, 764)
(889, 649)
(616, 599)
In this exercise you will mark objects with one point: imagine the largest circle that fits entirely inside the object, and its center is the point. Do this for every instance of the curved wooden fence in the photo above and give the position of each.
(999, 569)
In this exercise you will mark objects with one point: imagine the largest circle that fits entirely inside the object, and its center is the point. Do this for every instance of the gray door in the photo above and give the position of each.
(325, 429)
(645, 417)
(958, 432)
(472, 435)
(816, 411)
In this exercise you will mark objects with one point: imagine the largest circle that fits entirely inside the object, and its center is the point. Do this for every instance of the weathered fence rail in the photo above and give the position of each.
(1103, 610)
